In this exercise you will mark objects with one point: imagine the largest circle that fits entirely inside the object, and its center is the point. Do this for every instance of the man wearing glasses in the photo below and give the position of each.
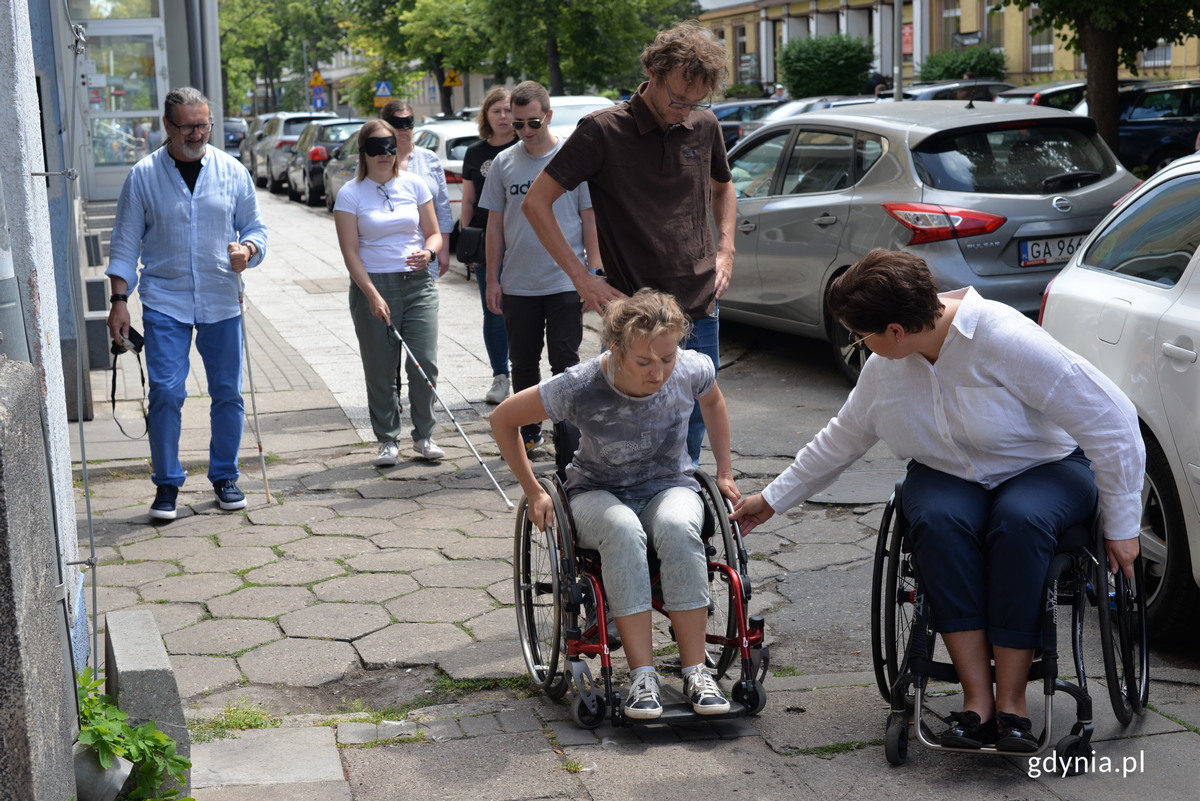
(536, 298)
(189, 212)
(655, 166)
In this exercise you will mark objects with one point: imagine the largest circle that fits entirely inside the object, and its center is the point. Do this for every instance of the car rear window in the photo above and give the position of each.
(295, 126)
(340, 133)
(1155, 238)
(456, 149)
(1034, 160)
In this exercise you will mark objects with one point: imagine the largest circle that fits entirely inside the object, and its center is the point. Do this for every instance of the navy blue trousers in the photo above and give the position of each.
(983, 554)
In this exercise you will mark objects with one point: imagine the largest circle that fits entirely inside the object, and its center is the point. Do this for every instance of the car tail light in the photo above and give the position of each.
(932, 223)
(1037, 99)
(318, 153)
(453, 177)
(1045, 296)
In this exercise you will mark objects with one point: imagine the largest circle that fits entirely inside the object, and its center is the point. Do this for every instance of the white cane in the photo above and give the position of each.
(421, 370)
(262, 460)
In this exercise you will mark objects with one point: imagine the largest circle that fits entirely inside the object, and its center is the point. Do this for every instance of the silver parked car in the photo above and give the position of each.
(993, 196)
(274, 144)
(1129, 302)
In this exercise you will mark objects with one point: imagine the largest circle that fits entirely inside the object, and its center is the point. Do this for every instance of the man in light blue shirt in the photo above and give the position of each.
(189, 212)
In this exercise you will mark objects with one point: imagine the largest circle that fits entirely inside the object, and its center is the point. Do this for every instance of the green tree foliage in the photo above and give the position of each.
(982, 62)
(1110, 34)
(826, 65)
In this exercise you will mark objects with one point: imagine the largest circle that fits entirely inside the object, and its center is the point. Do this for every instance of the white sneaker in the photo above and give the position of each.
(499, 390)
(389, 453)
(426, 449)
(703, 693)
(645, 696)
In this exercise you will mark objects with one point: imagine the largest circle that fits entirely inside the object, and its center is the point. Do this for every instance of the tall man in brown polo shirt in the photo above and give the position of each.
(655, 165)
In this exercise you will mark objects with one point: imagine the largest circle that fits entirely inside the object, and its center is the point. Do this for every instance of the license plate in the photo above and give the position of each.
(1054, 250)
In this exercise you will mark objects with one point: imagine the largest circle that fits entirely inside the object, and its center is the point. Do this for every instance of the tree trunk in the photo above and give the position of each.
(446, 93)
(1100, 46)
(554, 67)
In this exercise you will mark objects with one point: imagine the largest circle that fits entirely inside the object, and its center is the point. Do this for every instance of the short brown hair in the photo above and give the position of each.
(396, 108)
(529, 91)
(373, 128)
(885, 287)
(648, 313)
(691, 46)
(494, 96)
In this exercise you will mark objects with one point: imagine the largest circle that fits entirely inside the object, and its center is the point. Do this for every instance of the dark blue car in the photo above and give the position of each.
(1158, 123)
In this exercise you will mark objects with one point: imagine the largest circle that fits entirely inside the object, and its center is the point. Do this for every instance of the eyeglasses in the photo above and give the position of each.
(380, 146)
(534, 124)
(856, 342)
(387, 198)
(402, 123)
(188, 130)
(675, 104)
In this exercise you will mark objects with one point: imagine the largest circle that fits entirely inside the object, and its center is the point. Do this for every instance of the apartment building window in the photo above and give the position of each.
(1041, 45)
(1157, 57)
(992, 24)
(951, 17)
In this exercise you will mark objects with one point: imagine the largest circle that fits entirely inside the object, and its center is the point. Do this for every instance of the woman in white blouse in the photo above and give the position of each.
(425, 163)
(388, 232)
(996, 417)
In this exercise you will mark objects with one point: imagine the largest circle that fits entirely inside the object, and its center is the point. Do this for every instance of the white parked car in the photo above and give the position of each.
(1129, 302)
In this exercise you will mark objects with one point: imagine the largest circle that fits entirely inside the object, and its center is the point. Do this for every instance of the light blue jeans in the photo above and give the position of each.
(671, 522)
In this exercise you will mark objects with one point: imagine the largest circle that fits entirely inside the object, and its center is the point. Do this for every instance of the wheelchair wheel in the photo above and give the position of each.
(750, 694)
(893, 594)
(721, 636)
(538, 589)
(585, 718)
(895, 744)
(1122, 608)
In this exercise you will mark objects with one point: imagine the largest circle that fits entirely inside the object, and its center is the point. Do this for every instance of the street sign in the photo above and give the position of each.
(383, 89)
(317, 80)
(318, 91)
(319, 102)
(452, 78)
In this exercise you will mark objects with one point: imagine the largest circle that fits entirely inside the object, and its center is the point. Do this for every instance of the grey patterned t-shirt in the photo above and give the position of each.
(632, 447)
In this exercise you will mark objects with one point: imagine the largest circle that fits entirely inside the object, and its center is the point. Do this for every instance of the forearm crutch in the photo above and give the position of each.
(421, 370)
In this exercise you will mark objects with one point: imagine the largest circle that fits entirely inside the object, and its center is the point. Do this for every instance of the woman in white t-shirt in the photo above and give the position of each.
(388, 232)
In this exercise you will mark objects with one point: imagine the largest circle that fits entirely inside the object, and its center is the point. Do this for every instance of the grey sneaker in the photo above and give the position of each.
(499, 390)
(389, 452)
(426, 449)
(645, 696)
(703, 693)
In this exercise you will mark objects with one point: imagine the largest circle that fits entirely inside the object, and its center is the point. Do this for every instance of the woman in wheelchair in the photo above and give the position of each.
(995, 417)
(630, 483)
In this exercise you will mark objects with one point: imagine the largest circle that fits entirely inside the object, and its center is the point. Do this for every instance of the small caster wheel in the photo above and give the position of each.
(584, 718)
(1068, 749)
(895, 746)
(750, 694)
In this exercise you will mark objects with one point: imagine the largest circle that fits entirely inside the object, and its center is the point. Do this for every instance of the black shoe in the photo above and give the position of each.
(229, 497)
(163, 507)
(966, 730)
(1015, 733)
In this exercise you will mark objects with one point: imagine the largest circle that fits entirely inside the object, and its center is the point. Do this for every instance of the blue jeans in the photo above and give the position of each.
(168, 343)
(705, 338)
(495, 340)
(621, 530)
(983, 554)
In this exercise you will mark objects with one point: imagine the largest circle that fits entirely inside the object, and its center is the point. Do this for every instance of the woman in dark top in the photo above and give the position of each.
(496, 134)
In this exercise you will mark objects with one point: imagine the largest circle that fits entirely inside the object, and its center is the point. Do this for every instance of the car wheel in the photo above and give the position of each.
(310, 197)
(291, 190)
(849, 352)
(273, 183)
(1172, 597)
(259, 180)
(330, 200)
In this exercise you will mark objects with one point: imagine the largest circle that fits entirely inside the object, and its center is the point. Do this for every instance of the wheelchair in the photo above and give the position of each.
(903, 643)
(563, 619)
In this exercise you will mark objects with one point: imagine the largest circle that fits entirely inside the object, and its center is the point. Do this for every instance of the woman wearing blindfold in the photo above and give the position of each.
(425, 163)
(388, 231)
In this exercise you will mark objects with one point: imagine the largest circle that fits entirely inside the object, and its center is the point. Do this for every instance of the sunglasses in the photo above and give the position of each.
(402, 123)
(380, 146)
(534, 124)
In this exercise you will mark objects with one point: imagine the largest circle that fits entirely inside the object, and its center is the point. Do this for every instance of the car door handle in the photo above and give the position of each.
(825, 219)
(1178, 353)
(747, 226)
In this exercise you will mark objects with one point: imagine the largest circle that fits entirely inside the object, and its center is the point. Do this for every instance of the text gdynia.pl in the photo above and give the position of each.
(1052, 764)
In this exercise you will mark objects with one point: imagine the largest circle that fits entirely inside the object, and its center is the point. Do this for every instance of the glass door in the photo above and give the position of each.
(124, 84)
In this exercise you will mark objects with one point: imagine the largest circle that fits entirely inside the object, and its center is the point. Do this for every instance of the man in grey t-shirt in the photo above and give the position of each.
(537, 299)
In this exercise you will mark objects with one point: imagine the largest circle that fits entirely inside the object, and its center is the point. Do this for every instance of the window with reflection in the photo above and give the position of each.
(754, 168)
(124, 140)
(820, 161)
(1155, 238)
(113, 9)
